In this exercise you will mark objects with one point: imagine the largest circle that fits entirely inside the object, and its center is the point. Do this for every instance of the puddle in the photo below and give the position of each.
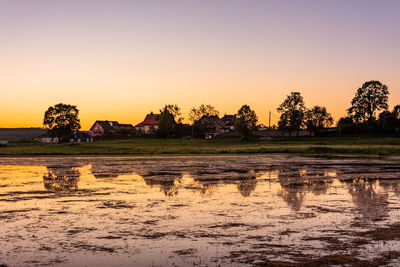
(197, 210)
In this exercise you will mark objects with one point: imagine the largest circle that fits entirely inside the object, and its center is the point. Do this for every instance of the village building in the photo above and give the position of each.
(229, 121)
(210, 126)
(78, 137)
(47, 139)
(150, 123)
(110, 128)
(82, 137)
(103, 128)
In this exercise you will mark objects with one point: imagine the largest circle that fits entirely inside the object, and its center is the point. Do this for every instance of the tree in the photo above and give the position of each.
(371, 97)
(292, 113)
(62, 121)
(246, 121)
(317, 118)
(204, 110)
(174, 110)
(169, 115)
(389, 122)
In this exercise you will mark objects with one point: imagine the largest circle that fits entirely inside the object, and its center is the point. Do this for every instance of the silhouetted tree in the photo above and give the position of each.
(317, 118)
(169, 117)
(62, 120)
(292, 113)
(174, 110)
(246, 121)
(346, 125)
(389, 122)
(345, 121)
(204, 110)
(371, 97)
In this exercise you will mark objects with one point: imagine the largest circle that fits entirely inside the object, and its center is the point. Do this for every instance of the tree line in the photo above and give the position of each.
(368, 113)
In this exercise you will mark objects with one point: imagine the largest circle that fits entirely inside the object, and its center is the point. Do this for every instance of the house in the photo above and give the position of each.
(104, 128)
(110, 128)
(149, 124)
(229, 121)
(210, 126)
(45, 138)
(82, 137)
(78, 137)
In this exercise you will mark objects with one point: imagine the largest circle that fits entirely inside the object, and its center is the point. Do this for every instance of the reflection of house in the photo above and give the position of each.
(229, 121)
(211, 126)
(61, 179)
(149, 124)
(109, 128)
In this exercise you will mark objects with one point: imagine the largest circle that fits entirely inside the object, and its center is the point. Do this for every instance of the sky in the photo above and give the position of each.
(118, 60)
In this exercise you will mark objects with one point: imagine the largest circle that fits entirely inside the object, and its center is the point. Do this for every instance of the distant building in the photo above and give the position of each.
(78, 137)
(229, 121)
(104, 128)
(45, 138)
(82, 137)
(149, 124)
(110, 128)
(210, 126)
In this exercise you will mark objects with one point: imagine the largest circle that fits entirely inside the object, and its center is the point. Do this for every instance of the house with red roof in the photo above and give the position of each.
(109, 128)
(150, 123)
(210, 126)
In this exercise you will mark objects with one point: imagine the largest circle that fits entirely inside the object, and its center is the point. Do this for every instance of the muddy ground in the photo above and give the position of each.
(199, 210)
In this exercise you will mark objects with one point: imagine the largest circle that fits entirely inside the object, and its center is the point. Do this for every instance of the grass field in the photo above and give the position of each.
(305, 146)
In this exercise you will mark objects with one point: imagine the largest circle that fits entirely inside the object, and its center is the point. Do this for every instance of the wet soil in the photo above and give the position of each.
(267, 210)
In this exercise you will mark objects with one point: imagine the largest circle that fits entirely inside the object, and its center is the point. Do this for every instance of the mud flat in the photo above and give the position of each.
(199, 210)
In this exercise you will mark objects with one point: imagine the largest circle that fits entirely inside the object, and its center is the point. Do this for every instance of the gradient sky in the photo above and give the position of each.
(119, 60)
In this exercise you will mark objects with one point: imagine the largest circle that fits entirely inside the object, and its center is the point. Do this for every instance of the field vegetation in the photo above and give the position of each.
(361, 146)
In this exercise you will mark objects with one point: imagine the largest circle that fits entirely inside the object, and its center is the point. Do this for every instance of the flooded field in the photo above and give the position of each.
(198, 210)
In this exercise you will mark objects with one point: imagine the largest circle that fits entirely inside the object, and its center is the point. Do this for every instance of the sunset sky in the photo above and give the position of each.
(118, 60)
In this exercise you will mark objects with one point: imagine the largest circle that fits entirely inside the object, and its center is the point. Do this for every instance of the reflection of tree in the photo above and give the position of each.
(370, 204)
(208, 189)
(247, 186)
(61, 179)
(169, 188)
(392, 185)
(293, 195)
(318, 187)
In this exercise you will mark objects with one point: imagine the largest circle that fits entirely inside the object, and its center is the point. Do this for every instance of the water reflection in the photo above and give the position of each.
(247, 186)
(294, 182)
(61, 179)
(208, 206)
(371, 204)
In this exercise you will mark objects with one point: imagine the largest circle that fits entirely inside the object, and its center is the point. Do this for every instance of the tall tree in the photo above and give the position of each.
(62, 120)
(292, 112)
(389, 122)
(174, 110)
(371, 97)
(169, 118)
(246, 121)
(318, 118)
(204, 110)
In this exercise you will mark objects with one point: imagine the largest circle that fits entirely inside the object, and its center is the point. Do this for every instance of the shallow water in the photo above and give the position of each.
(193, 210)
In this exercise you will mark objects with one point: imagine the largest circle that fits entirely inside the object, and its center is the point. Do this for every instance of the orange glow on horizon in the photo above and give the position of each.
(121, 60)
